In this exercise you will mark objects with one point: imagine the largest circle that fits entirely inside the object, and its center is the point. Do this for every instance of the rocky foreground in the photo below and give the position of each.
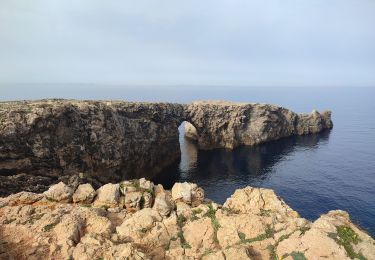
(139, 220)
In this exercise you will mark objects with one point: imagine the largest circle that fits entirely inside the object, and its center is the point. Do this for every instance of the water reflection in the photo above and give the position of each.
(221, 171)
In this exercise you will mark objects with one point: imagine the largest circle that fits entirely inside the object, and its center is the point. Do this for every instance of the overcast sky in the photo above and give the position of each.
(257, 43)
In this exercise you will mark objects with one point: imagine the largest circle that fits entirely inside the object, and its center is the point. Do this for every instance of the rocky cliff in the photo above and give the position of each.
(42, 142)
(139, 220)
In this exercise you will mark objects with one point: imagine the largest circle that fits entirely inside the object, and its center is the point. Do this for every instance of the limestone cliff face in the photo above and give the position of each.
(222, 124)
(105, 140)
(112, 140)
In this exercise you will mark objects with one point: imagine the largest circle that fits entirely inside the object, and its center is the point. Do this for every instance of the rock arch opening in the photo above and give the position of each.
(188, 139)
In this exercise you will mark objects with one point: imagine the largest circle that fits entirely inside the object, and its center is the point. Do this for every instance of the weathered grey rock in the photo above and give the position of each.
(145, 184)
(85, 193)
(133, 200)
(108, 195)
(163, 202)
(189, 193)
(111, 139)
(59, 192)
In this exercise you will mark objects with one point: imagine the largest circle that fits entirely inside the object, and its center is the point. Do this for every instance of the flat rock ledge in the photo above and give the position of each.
(139, 220)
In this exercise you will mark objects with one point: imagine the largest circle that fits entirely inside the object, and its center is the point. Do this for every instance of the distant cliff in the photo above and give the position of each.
(44, 141)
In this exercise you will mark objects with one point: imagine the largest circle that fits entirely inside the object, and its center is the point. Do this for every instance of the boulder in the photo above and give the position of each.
(133, 200)
(189, 193)
(108, 195)
(259, 201)
(145, 184)
(59, 192)
(200, 235)
(85, 193)
(20, 198)
(163, 203)
(138, 224)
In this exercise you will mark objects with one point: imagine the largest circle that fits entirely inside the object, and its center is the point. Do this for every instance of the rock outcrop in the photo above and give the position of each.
(254, 223)
(47, 141)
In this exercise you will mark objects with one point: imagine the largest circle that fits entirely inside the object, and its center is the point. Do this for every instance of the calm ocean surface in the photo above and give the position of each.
(313, 174)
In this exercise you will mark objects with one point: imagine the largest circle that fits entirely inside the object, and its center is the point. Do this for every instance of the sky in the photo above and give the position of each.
(169, 42)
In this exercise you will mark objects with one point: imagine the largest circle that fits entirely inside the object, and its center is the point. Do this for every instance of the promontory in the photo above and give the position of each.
(47, 141)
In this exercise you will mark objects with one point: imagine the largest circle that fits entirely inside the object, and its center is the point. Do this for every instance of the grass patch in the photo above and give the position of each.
(269, 232)
(298, 256)
(207, 252)
(295, 255)
(195, 212)
(230, 210)
(86, 205)
(345, 236)
(214, 222)
(51, 200)
(105, 207)
(265, 213)
(48, 227)
(303, 230)
(272, 252)
(33, 218)
(184, 243)
(181, 219)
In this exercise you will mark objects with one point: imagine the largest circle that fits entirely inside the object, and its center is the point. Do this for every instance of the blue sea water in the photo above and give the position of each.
(313, 174)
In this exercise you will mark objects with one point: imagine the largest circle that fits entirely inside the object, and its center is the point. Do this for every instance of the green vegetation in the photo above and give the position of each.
(303, 230)
(86, 205)
(211, 213)
(272, 251)
(298, 256)
(48, 227)
(265, 213)
(207, 252)
(230, 210)
(195, 212)
(345, 236)
(295, 255)
(105, 207)
(33, 218)
(184, 243)
(181, 219)
(269, 232)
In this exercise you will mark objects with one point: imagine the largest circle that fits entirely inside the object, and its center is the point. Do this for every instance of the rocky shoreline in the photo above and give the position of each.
(139, 220)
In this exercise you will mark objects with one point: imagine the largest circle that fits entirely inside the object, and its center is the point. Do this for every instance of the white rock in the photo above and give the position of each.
(108, 195)
(59, 192)
(163, 203)
(85, 193)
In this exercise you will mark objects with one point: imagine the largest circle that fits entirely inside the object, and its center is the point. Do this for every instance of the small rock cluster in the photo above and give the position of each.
(140, 220)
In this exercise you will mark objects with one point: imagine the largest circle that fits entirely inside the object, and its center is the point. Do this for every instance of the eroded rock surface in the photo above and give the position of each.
(254, 223)
(48, 141)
